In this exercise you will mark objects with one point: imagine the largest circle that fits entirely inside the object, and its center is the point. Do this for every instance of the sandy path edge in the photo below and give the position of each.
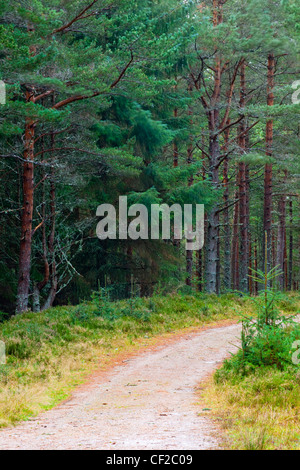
(145, 401)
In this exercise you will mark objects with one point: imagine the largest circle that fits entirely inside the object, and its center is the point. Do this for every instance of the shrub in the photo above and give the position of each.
(267, 339)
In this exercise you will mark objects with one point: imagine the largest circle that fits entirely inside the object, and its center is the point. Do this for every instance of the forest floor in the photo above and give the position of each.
(149, 400)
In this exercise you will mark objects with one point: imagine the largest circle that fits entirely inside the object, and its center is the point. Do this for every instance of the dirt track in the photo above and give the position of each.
(148, 402)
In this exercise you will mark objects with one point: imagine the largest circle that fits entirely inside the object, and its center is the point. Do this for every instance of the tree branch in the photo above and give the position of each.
(80, 16)
(51, 133)
(122, 72)
(43, 95)
(230, 93)
(230, 125)
(72, 99)
(241, 135)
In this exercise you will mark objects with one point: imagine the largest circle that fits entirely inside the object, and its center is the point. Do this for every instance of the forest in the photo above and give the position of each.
(130, 112)
(162, 101)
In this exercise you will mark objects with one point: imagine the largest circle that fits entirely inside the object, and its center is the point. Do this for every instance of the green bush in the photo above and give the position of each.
(134, 307)
(267, 339)
(104, 308)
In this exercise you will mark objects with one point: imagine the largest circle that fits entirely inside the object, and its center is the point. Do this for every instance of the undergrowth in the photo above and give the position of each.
(255, 395)
(49, 353)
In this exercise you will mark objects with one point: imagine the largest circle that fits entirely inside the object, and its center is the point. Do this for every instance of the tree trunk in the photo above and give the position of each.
(200, 253)
(213, 221)
(227, 231)
(281, 239)
(244, 248)
(189, 253)
(268, 189)
(216, 127)
(199, 271)
(27, 214)
(235, 252)
(175, 146)
(38, 287)
(291, 242)
(218, 289)
(285, 263)
(28, 200)
(51, 240)
(213, 115)
(250, 284)
(51, 248)
(255, 267)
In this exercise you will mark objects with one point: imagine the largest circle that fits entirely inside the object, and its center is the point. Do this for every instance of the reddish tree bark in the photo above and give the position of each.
(27, 213)
(28, 174)
(243, 210)
(216, 127)
(268, 186)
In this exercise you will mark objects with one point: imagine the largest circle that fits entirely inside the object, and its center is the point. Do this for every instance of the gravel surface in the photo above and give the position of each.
(148, 402)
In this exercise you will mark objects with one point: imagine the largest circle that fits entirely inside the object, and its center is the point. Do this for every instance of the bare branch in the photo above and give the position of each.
(230, 125)
(230, 93)
(52, 133)
(241, 134)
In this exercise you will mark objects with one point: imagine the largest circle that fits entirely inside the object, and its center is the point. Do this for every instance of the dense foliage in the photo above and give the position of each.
(163, 101)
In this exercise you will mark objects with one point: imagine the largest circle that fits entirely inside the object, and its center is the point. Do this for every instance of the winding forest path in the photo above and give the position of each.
(148, 402)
